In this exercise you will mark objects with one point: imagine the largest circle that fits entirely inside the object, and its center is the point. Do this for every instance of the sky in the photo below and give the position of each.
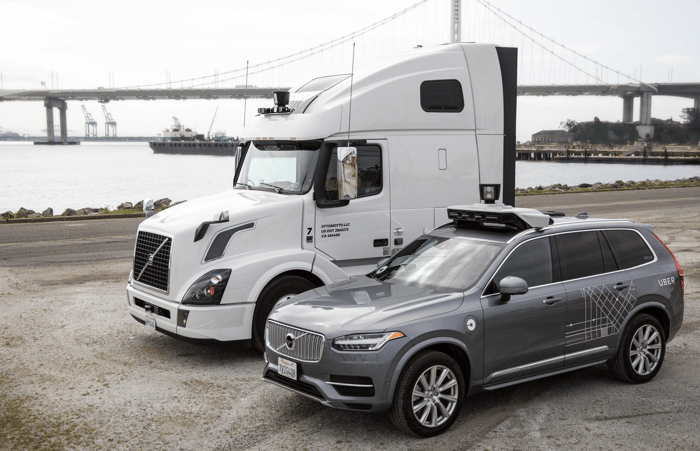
(79, 44)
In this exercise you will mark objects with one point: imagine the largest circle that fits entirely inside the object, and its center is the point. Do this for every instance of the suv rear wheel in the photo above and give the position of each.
(429, 395)
(641, 352)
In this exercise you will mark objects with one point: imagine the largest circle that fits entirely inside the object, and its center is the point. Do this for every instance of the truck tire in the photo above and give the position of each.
(278, 290)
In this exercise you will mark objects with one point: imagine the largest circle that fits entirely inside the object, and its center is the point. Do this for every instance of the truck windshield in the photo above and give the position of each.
(444, 264)
(282, 166)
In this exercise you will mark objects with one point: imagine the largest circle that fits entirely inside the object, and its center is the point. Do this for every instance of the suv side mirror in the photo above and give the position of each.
(510, 285)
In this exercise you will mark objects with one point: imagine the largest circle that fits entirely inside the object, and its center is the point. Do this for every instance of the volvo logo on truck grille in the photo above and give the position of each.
(289, 341)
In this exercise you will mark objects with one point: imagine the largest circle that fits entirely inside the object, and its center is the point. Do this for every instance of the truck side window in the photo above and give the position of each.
(579, 255)
(369, 167)
(441, 96)
(531, 261)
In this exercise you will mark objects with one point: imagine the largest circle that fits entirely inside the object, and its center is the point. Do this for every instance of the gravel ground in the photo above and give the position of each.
(77, 372)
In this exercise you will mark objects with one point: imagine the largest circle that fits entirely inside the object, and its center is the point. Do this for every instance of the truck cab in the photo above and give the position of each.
(338, 175)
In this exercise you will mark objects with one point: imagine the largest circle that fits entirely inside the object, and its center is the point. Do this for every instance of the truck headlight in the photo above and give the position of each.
(208, 289)
(364, 342)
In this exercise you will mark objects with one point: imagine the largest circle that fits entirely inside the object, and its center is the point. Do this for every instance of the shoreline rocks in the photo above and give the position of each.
(557, 188)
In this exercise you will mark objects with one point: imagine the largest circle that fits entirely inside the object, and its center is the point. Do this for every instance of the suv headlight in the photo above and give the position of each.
(364, 342)
(208, 289)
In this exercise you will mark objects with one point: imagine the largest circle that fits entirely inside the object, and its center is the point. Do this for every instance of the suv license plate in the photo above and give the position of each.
(151, 322)
(286, 368)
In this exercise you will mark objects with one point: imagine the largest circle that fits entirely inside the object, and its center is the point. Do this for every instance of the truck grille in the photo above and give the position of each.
(305, 345)
(152, 260)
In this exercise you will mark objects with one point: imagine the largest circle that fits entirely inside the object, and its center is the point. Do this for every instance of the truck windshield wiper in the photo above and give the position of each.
(243, 184)
(277, 189)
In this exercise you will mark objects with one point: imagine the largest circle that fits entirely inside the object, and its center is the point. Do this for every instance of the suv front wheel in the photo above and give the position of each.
(641, 352)
(429, 395)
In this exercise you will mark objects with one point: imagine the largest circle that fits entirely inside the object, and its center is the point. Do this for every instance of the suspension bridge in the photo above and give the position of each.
(546, 67)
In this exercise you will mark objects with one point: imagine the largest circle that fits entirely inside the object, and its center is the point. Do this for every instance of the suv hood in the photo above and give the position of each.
(362, 304)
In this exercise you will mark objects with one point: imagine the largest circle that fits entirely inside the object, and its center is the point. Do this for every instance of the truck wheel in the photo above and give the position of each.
(429, 395)
(278, 290)
(641, 352)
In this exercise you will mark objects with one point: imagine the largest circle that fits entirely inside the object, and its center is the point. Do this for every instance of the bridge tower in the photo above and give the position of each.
(90, 124)
(110, 124)
(455, 21)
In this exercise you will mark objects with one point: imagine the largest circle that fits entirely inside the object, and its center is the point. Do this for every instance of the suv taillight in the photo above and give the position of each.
(678, 265)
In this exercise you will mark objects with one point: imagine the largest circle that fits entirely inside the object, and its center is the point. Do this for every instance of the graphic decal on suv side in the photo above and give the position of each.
(606, 309)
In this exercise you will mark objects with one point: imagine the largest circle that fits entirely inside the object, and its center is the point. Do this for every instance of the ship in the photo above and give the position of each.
(183, 141)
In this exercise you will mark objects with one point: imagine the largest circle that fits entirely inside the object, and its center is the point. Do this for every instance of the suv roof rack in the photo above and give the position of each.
(480, 214)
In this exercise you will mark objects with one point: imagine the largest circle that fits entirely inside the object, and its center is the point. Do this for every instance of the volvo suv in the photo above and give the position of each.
(499, 296)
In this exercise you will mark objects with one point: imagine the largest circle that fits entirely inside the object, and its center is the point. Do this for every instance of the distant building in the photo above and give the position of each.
(553, 136)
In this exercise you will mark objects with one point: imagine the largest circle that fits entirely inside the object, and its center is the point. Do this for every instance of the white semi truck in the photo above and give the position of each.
(338, 175)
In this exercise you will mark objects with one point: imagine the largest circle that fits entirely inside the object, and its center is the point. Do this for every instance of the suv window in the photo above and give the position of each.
(629, 248)
(531, 261)
(580, 255)
(369, 168)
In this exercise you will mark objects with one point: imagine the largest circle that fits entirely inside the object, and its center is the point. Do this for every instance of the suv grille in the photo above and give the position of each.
(305, 345)
(152, 260)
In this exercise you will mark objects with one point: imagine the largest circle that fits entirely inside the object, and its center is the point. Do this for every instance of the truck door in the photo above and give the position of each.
(357, 234)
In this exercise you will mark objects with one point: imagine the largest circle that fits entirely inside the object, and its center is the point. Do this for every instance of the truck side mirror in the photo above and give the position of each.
(347, 173)
(324, 164)
(510, 285)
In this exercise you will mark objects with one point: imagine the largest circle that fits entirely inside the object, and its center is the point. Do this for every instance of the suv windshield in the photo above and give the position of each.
(282, 166)
(444, 264)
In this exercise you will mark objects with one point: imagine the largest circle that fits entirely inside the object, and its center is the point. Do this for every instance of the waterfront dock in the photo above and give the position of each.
(590, 153)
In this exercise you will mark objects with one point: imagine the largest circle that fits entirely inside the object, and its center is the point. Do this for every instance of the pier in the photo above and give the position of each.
(589, 153)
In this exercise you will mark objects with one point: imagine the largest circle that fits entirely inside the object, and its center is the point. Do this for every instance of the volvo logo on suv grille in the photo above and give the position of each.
(289, 341)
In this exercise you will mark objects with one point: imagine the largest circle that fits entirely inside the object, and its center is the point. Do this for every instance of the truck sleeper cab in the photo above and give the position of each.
(319, 196)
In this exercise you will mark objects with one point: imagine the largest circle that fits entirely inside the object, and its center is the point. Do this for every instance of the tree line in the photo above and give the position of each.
(665, 131)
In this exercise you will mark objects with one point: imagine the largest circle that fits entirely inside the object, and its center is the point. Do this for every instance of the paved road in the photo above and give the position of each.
(60, 242)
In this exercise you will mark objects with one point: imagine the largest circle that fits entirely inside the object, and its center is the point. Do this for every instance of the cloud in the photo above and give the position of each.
(675, 60)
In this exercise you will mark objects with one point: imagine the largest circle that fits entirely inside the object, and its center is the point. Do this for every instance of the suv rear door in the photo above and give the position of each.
(599, 295)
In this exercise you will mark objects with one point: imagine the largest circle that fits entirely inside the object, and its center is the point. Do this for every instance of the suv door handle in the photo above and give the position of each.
(551, 300)
(621, 286)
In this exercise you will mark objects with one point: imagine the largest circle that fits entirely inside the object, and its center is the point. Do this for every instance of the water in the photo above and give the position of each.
(107, 174)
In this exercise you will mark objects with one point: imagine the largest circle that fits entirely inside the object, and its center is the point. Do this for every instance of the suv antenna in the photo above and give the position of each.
(352, 75)
(245, 96)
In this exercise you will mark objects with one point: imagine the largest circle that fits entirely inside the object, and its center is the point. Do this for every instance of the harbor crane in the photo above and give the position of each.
(90, 124)
(110, 124)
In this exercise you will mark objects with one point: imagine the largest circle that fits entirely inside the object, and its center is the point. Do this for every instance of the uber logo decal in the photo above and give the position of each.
(667, 281)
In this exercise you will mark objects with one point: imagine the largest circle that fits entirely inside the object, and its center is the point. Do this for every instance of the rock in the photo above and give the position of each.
(139, 206)
(8, 215)
(125, 206)
(69, 212)
(162, 203)
(35, 215)
(619, 182)
(539, 188)
(585, 185)
(597, 185)
(47, 212)
(23, 213)
(88, 211)
(617, 185)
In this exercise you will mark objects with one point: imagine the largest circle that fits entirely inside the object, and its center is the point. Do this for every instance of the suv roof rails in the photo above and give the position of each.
(554, 214)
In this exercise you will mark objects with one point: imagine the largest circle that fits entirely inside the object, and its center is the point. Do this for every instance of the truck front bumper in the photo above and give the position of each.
(200, 324)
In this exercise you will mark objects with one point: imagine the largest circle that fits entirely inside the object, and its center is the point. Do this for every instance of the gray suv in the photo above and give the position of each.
(499, 296)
